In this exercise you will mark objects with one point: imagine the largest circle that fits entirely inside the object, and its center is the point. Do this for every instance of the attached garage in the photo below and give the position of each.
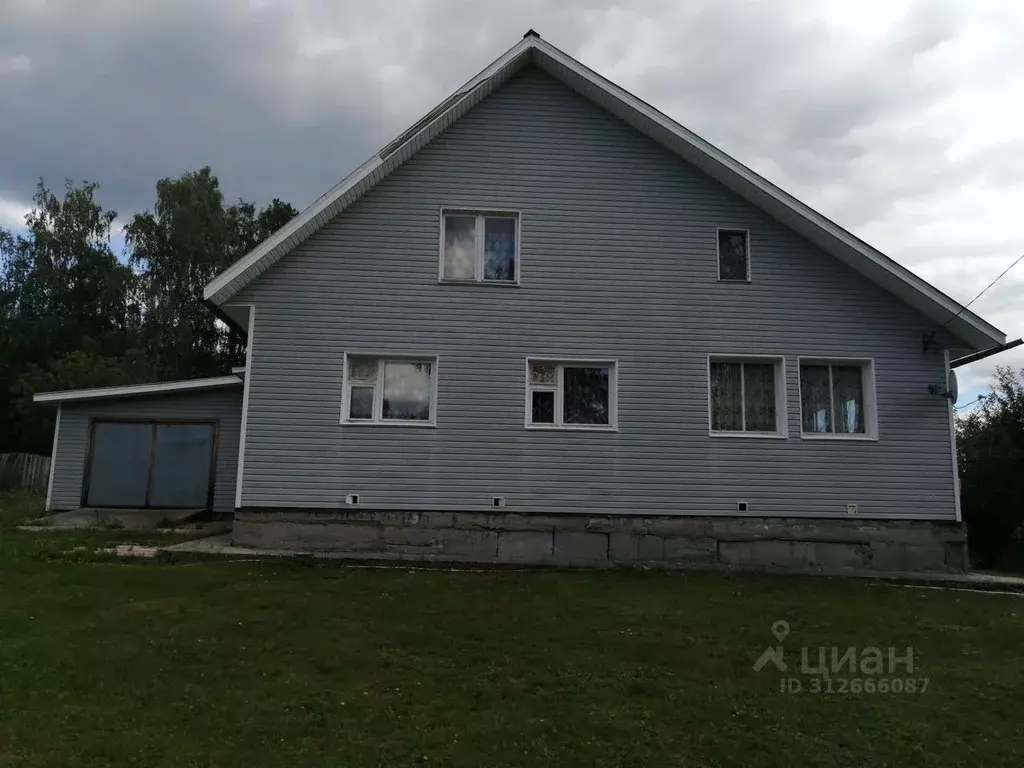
(151, 464)
(158, 446)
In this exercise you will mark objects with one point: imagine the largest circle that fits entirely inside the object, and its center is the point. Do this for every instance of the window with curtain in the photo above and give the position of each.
(479, 247)
(388, 390)
(570, 394)
(833, 398)
(745, 396)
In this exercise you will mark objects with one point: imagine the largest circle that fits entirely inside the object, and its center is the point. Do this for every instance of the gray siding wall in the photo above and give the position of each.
(618, 261)
(222, 405)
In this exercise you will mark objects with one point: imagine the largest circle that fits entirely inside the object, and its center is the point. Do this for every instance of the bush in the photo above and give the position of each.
(990, 447)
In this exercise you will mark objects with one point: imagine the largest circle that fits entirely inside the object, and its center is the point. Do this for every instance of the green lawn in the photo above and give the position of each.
(107, 662)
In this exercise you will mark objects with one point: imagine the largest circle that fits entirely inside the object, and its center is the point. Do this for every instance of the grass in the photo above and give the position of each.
(108, 662)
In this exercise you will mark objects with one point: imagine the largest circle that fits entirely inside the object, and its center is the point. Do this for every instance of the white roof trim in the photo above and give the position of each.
(161, 388)
(818, 229)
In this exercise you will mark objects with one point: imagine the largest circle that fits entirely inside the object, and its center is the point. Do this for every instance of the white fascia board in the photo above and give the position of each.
(220, 288)
(166, 387)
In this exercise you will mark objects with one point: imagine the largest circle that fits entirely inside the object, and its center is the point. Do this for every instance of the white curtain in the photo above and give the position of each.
(459, 247)
(848, 394)
(815, 398)
(759, 396)
(726, 397)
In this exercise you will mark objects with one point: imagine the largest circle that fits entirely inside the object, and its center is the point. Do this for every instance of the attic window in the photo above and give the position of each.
(479, 247)
(733, 255)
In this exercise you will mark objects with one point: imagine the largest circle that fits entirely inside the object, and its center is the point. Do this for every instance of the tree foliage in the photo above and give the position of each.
(990, 448)
(82, 369)
(177, 248)
(73, 314)
(61, 290)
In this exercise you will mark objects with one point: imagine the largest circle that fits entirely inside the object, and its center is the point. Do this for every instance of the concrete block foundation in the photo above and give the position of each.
(820, 544)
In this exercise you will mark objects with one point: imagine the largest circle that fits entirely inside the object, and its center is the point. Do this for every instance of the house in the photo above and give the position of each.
(549, 324)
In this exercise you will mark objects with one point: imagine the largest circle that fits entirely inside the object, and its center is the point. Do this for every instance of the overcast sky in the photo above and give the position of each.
(902, 121)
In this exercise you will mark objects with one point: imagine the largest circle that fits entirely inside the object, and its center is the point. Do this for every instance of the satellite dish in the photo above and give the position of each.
(952, 388)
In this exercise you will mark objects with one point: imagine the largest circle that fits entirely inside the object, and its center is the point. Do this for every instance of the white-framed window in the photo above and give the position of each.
(837, 398)
(389, 389)
(734, 255)
(479, 246)
(571, 394)
(746, 396)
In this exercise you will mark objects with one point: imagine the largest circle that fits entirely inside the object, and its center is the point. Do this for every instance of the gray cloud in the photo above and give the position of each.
(125, 96)
(879, 120)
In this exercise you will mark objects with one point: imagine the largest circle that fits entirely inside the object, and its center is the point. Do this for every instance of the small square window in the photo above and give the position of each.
(747, 396)
(573, 395)
(733, 255)
(389, 390)
(479, 247)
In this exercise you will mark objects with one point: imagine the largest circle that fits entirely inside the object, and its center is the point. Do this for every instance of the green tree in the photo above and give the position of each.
(990, 447)
(61, 289)
(82, 369)
(61, 282)
(251, 227)
(177, 248)
(72, 315)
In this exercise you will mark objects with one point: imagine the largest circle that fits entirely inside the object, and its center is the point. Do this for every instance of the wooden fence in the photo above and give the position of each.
(24, 470)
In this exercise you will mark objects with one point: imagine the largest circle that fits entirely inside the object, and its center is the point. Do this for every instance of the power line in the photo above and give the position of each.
(978, 399)
(998, 278)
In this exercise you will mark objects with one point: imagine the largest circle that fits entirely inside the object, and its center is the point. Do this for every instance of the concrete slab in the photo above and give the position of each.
(529, 546)
(212, 545)
(976, 581)
(580, 547)
(623, 547)
(130, 519)
(806, 554)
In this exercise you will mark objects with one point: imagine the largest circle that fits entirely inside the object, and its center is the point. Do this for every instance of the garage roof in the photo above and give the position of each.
(134, 390)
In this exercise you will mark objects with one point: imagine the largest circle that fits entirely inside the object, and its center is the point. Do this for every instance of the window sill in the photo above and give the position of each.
(572, 428)
(750, 435)
(393, 423)
(735, 280)
(488, 283)
(855, 438)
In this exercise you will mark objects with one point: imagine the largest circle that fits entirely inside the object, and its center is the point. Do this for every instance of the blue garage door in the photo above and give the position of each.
(149, 464)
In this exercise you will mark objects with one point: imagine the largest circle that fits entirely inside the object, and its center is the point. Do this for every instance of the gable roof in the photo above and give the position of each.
(829, 236)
